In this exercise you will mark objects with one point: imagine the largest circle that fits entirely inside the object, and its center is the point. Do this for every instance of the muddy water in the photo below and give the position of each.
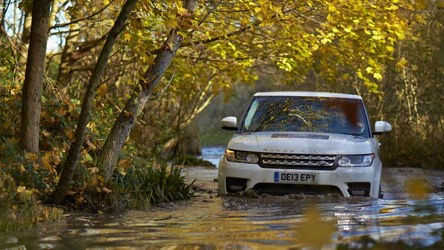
(244, 222)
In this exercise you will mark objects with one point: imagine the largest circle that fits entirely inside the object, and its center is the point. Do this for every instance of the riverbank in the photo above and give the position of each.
(394, 180)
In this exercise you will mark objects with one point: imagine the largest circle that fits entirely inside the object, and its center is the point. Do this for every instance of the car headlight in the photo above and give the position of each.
(356, 160)
(241, 156)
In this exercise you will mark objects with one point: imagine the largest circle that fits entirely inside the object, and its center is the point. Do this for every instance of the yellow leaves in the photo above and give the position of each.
(420, 18)
(87, 156)
(126, 37)
(325, 40)
(46, 160)
(314, 231)
(377, 76)
(31, 156)
(377, 35)
(390, 48)
(400, 34)
(309, 3)
(401, 63)
(61, 112)
(171, 22)
(50, 160)
(418, 188)
(93, 170)
(124, 164)
(182, 11)
(23, 193)
(421, 4)
(441, 4)
(21, 189)
(372, 87)
(286, 64)
(392, 7)
(69, 134)
(332, 8)
(22, 169)
(102, 90)
(96, 180)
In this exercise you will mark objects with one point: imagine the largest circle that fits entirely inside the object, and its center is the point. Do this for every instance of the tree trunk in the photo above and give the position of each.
(26, 27)
(52, 15)
(26, 31)
(64, 70)
(122, 126)
(32, 86)
(76, 146)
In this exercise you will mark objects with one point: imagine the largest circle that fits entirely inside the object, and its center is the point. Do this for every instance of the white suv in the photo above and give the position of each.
(303, 142)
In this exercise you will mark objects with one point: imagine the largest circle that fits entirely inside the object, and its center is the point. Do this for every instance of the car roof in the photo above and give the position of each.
(308, 94)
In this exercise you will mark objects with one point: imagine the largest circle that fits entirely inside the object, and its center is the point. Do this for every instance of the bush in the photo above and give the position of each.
(19, 207)
(133, 188)
(148, 186)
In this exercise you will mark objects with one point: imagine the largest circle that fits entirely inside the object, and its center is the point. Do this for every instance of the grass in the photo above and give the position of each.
(141, 188)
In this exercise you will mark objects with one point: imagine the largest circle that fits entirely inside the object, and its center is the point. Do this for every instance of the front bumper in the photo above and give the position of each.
(344, 179)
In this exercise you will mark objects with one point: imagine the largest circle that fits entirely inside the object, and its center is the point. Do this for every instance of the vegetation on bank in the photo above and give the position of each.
(90, 122)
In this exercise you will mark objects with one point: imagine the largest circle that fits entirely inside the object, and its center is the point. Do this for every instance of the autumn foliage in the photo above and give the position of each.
(388, 51)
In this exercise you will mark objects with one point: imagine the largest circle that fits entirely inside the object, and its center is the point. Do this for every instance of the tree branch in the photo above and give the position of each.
(81, 19)
(217, 38)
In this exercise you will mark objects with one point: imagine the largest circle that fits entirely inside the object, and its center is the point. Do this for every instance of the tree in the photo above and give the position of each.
(32, 86)
(76, 146)
(231, 39)
(126, 120)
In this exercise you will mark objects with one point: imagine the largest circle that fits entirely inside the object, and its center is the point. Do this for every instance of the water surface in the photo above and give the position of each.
(211, 222)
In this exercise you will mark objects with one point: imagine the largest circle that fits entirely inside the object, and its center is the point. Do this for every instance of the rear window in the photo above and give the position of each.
(306, 114)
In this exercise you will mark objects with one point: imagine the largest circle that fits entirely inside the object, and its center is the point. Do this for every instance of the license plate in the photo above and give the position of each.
(294, 177)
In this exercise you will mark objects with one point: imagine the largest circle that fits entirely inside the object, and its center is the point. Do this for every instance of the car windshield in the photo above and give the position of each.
(306, 114)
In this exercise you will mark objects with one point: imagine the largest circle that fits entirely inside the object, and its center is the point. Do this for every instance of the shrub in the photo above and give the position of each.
(19, 208)
(149, 185)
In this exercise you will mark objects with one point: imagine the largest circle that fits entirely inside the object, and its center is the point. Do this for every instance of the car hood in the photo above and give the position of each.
(301, 143)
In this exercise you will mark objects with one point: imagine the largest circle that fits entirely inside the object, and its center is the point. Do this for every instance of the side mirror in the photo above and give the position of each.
(382, 127)
(229, 123)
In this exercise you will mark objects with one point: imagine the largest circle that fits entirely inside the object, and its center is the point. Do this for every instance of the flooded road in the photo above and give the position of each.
(243, 223)
(211, 222)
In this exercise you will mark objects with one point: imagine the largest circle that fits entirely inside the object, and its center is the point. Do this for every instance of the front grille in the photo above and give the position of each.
(298, 161)
(279, 189)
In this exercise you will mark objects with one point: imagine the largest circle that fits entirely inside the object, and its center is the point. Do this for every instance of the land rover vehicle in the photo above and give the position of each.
(303, 142)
